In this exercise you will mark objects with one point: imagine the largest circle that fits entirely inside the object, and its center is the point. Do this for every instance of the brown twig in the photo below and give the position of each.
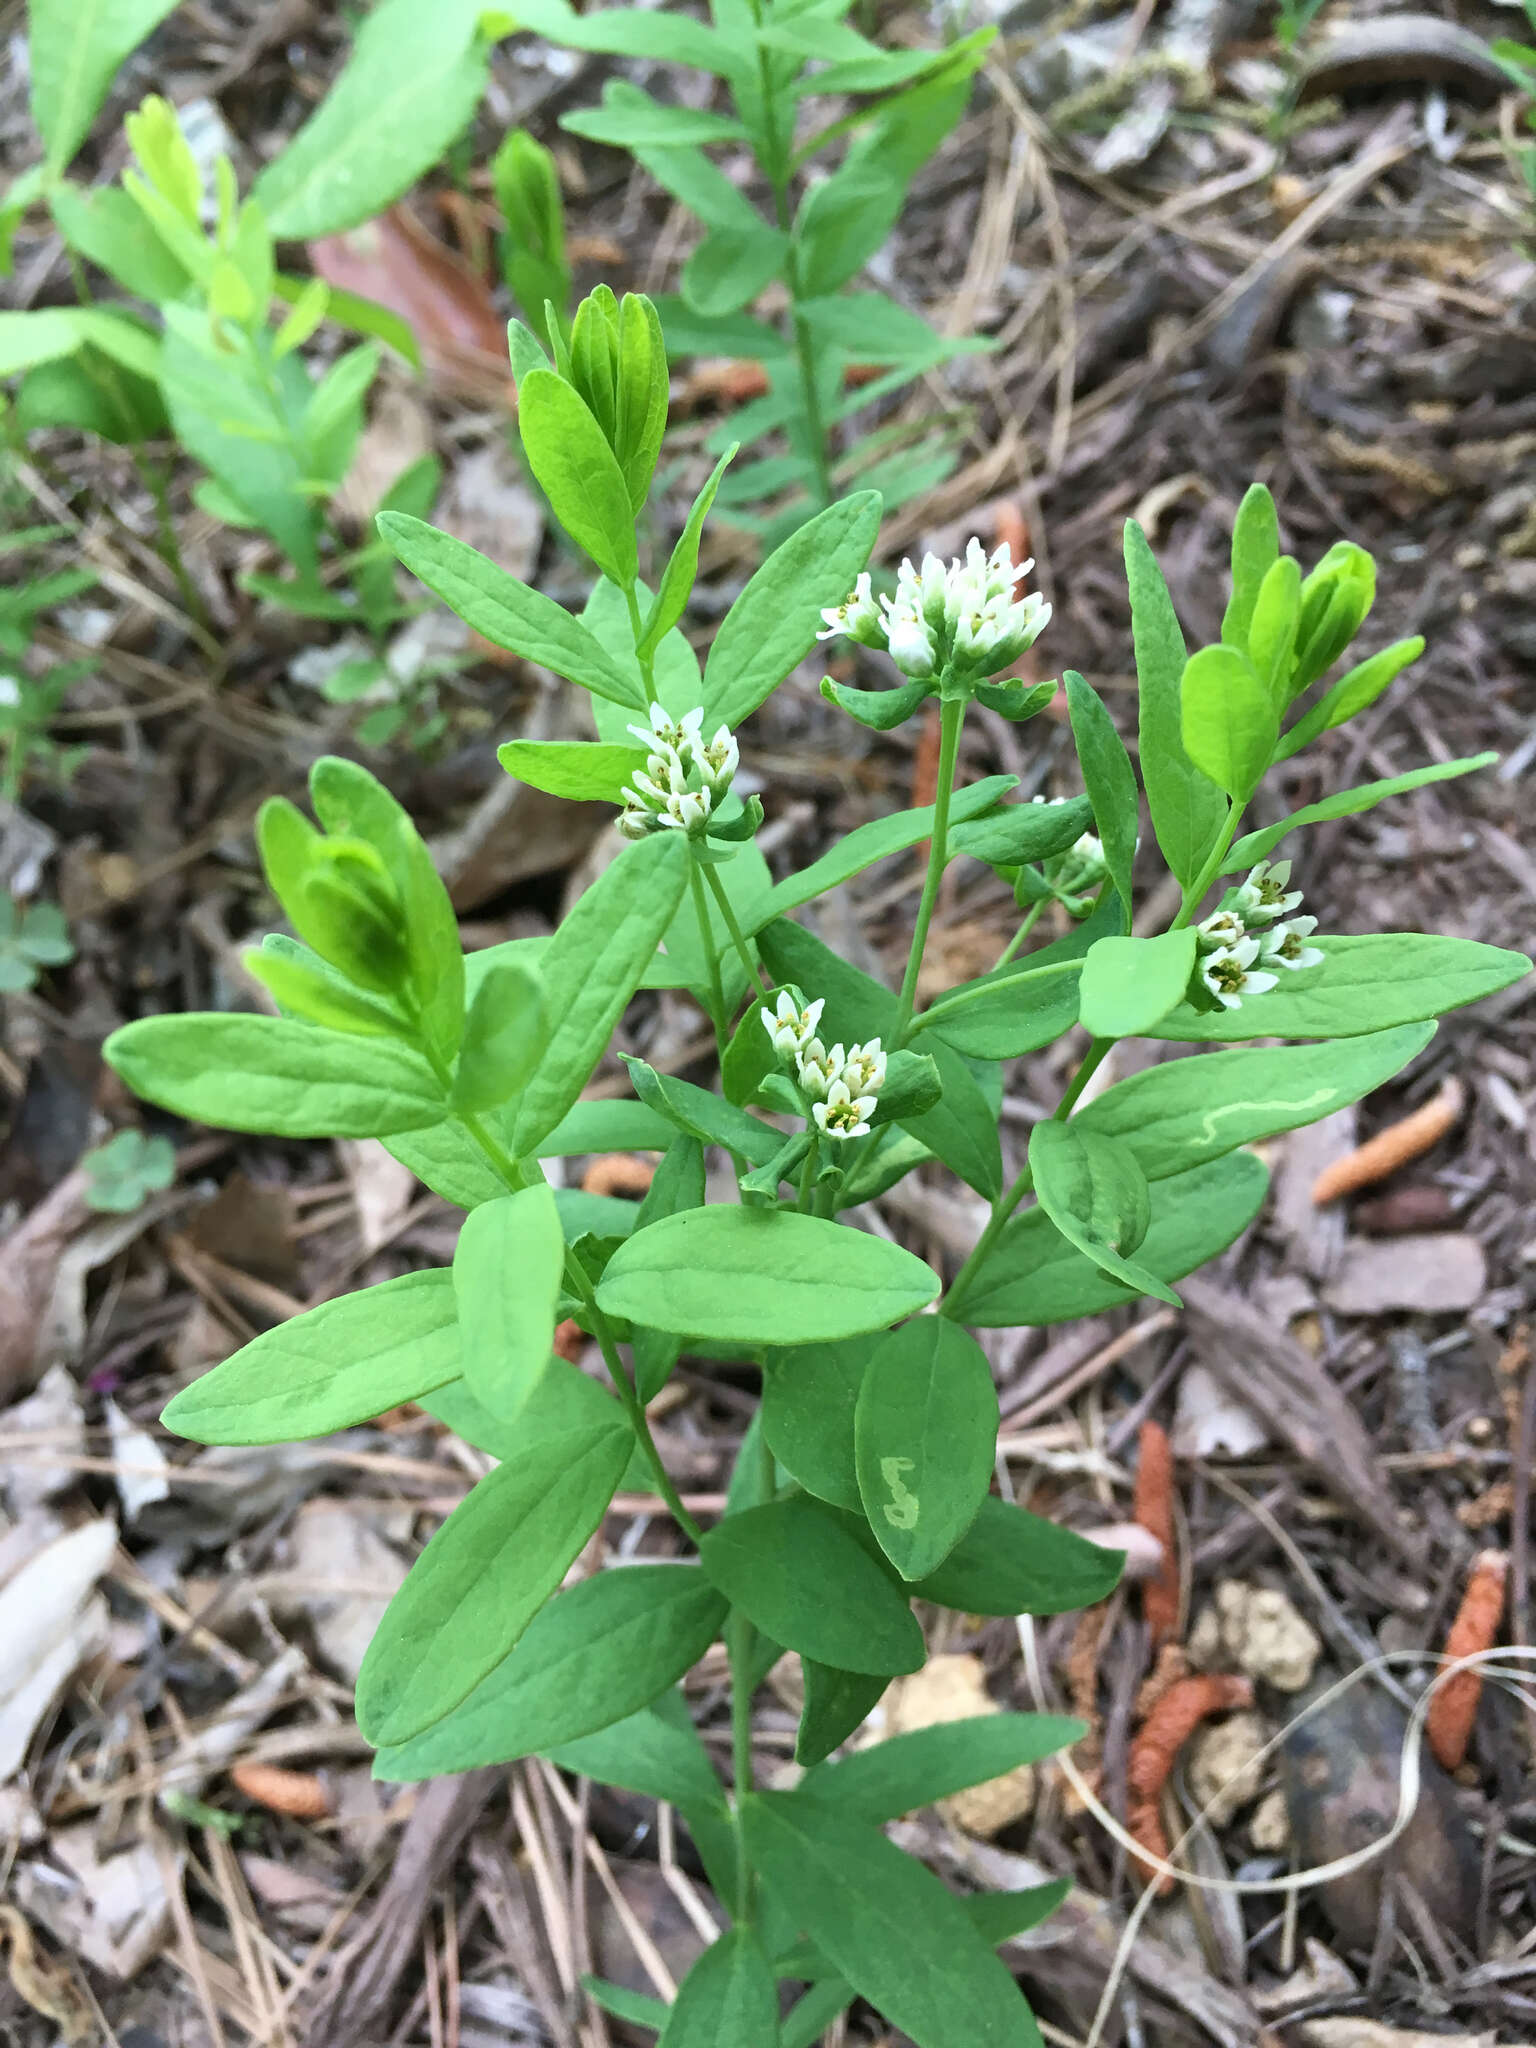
(1153, 1509)
(1394, 1147)
(1156, 1746)
(1453, 1710)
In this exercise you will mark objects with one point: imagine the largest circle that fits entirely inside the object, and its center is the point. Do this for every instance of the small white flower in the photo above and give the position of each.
(634, 822)
(817, 1069)
(1222, 929)
(843, 1114)
(788, 1025)
(856, 618)
(10, 693)
(863, 1068)
(1264, 897)
(911, 641)
(1229, 974)
(686, 812)
(1285, 945)
(720, 759)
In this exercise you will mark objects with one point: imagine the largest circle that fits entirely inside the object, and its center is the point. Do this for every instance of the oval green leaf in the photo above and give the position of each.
(1130, 984)
(797, 1575)
(925, 1434)
(736, 1274)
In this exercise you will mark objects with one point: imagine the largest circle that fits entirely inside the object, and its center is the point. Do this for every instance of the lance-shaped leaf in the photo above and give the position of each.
(337, 1364)
(506, 1275)
(484, 1576)
(1096, 1195)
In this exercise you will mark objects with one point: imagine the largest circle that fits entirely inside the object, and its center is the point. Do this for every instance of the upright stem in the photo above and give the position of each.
(951, 714)
(718, 1015)
(740, 1640)
(637, 628)
(516, 1176)
(1194, 895)
(1031, 918)
(954, 1298)
(743, 952)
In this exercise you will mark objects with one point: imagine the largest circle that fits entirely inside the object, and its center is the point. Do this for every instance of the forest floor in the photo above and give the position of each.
(1335, 299)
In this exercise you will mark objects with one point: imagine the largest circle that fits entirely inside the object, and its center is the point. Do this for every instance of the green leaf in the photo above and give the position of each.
(774, 622)
(879, 710)
(799, 1577)
(1011, 1562)
(564, 1400)
(1026, 1004)
(597, 1653)
(507, 1271)
(1033, 1275)
(705, 1116)
(483, 1577)
(655, 1752)
(1364, 984)
(1255, 547)
(505, 1033)
(1185, 1111)
(305, 986)
(639, 122)
(1187, 808)
(578, 471)
(842, 221)
(74, 50)
(1272, 630)
(676, 585)
(1345, 803)
(810, 1392)
(506, 612)
(961, 1128)
(905, 1772)
(872, 328)
(580, 770)
(637, 2008)
(727, 2000)
(836, 1702)
(738, 1275)
(591, 969)
(1110, 780)
(1130, 984)
(731, 266)
(882, 837)
(1352, 694)
(630, 32)
(1015, 833)
(335, 1365)
(408, 90)
(270, 1075)
(898, 1935)
(925, 1435)
(1230, 727)
(1096, 1195)
(807, 2021)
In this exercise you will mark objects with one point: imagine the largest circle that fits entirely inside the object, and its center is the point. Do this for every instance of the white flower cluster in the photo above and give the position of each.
(843, 1084)
(964, 618)
(1252, 933)
(683, 779)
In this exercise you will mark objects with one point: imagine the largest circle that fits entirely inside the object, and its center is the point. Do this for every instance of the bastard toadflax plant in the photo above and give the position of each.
(863, 1488)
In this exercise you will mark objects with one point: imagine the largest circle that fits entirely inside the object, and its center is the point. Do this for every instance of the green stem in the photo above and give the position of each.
(740, 1640)
(1007, 1202)
(1194, 895)
(629, 1394)
(1031, 917)
(810, 396)
(808, 1176)
(743, 953)
(516, 1176)
(951, 714)
(637, 628)
(718, 1015)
